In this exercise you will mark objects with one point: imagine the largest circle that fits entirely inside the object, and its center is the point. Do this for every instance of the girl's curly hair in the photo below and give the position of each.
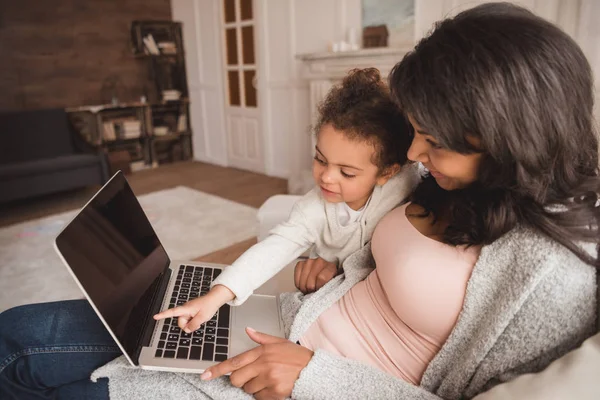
(362, 107)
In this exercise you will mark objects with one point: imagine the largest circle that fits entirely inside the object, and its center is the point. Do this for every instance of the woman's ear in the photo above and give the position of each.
(387, 174)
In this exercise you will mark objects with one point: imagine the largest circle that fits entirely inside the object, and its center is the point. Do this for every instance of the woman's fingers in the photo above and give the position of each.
(243, 377)
(232, 364)
(264, 338)
(267, 394)
(254, 385)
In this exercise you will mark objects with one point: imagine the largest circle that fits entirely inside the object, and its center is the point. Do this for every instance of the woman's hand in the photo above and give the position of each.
(312, 274)
(268, 371)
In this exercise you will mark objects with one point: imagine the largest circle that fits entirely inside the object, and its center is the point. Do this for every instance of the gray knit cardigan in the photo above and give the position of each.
(528, 301)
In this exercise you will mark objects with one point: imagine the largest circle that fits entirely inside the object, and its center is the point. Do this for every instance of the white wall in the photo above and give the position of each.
(578, 18)
(287, 28)
(293, 27)
(562, 12)
(202, 45)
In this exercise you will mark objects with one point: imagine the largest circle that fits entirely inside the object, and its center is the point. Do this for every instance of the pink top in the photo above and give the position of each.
(398, 318)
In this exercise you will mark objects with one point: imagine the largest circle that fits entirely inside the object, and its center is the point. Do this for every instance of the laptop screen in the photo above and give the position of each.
(115, 254)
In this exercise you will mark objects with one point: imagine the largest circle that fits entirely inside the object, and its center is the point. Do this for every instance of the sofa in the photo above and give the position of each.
(41, 154)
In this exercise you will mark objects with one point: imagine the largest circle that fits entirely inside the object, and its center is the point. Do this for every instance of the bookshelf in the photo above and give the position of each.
(146, 133)
(160, 44)
(171, 134)
(152, 133)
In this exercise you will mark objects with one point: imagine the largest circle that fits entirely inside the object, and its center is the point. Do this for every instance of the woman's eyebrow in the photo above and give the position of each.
(339, 165)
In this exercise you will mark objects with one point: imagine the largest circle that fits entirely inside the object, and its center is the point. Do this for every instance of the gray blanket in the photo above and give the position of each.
(528, 301)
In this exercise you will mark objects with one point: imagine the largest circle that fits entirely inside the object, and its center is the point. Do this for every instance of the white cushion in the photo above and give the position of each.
(274, 211)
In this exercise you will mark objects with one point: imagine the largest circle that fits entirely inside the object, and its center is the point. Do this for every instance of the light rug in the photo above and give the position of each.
(189, 224)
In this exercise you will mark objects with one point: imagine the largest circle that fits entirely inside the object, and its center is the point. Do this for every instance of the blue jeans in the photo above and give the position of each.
(48, 351)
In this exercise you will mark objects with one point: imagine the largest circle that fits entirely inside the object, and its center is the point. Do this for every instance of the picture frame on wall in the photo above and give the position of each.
(388, 23)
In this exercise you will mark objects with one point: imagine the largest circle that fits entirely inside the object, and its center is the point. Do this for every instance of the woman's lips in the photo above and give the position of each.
(436, 174)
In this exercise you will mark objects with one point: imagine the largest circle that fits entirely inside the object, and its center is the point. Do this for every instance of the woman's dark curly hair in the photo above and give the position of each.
(363, 109)
(525, 88)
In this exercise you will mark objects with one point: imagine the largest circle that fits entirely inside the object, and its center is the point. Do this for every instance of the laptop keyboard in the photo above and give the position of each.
(211, 341)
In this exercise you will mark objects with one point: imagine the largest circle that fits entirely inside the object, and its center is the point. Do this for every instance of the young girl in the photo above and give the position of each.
(362, 139)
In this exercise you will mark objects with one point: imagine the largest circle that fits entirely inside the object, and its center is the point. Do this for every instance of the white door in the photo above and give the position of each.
(242, 114)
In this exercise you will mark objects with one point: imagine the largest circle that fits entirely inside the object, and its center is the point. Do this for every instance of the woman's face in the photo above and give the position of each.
(450, 169)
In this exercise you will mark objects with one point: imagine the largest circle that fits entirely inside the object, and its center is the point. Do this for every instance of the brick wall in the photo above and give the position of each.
(61, 53)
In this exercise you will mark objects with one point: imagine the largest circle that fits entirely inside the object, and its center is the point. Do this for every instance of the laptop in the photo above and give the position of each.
(117, 260)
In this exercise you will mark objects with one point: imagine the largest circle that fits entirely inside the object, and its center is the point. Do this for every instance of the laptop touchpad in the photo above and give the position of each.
(258, 312)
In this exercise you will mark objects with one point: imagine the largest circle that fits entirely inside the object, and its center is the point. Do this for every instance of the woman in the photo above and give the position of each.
(501, 106)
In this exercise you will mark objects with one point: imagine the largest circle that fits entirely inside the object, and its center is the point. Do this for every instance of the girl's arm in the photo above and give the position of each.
(257, 265)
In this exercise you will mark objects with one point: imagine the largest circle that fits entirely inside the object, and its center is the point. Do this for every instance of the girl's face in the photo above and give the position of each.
(451, 170)
(344, 169)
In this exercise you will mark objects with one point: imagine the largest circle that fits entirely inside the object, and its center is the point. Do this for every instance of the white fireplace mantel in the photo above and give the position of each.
(323, 70)
(334, 66)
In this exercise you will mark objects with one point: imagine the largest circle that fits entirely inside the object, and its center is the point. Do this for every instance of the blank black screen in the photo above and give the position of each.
(117, 257)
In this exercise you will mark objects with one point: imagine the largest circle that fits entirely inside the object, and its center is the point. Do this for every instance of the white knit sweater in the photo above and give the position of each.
(314, 224)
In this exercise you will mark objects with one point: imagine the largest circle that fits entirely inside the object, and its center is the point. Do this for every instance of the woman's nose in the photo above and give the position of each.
(418, 151)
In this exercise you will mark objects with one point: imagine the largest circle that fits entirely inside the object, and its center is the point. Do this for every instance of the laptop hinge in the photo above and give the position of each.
(154, 308)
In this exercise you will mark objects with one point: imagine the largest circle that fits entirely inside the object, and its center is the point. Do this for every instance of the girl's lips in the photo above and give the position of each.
(327, 191)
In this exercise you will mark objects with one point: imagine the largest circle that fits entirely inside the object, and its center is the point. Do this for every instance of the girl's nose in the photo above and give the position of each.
(327, 176)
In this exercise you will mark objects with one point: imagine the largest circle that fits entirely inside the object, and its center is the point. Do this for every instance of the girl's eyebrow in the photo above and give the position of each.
(339, 165)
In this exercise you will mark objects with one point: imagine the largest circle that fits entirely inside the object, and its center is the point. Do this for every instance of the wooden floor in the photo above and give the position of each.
(229, 254)
(241, 186)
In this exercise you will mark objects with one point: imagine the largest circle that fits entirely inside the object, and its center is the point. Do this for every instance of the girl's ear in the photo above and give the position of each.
(387, 174)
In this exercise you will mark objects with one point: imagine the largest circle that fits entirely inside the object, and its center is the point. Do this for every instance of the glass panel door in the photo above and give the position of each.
(242, 115)
(240, 54)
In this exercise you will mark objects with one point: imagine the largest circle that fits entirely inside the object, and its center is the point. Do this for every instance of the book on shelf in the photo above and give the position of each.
(132, 124)
(109, 131)
(167, 47)
(127, 128)
(151, 45)
(160, 130)
(182, 123)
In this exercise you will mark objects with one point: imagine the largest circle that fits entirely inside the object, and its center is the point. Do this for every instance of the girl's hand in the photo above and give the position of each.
(312, 274)
(195, 312)
(268, 371)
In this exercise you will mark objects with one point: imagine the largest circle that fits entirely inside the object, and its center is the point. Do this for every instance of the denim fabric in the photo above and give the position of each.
(48, 351)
